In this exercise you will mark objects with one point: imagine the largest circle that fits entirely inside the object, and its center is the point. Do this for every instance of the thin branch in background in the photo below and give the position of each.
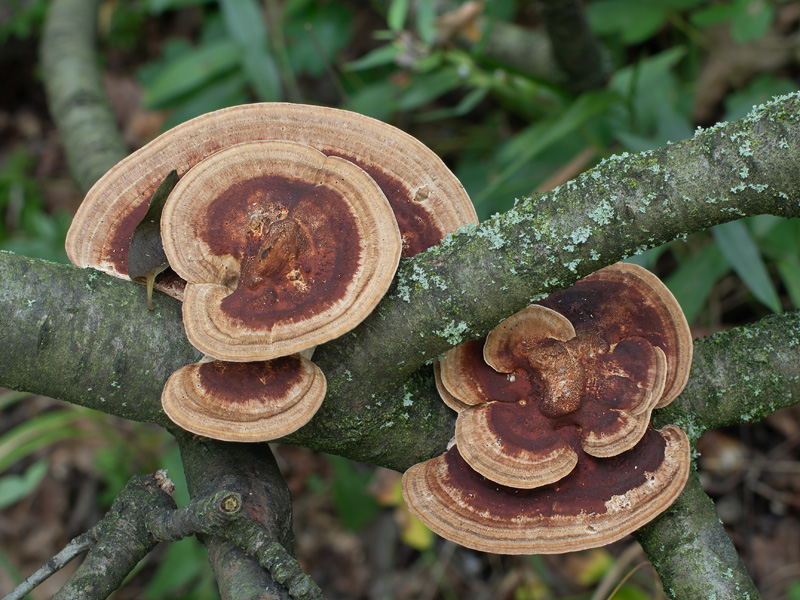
(76, 547)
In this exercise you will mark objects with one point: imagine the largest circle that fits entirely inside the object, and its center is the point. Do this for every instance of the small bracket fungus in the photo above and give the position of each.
(553, 447)
(427, 199)
(282, 249)
(244, 402)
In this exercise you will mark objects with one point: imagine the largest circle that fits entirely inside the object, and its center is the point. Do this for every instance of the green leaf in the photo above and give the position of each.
(41, 431)
(537, 138)
(355, 506)
(692, 281)
(397, 15)
(179, 571)
(14, 488)
(789, 270)
(426, 87)
(426, 21)
(376, 58)
(245, 24)
(191, 71)
(753, 21)
(146, 252)
(740, 249)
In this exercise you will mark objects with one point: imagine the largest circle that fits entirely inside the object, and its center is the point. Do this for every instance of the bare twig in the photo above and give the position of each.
(78, 546)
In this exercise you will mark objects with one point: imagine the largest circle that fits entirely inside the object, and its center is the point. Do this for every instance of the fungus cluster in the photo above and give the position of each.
(553, 451)
(283, 232)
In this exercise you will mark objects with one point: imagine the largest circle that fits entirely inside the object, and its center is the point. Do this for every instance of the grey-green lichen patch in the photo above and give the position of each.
(603, 213)
(453, 332)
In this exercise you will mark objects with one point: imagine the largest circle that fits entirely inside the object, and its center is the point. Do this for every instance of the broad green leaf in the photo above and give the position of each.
(376, 58)
(315, 35)
(538, 137)
(228, 90)
(14, 488)
(41, 431)
(426, 21)
(191, 71)
(713, 15)
(740, 249)
(397, 15)
(159, 6)
(354, 505)
(789, 270)
(752, 21)
(793, 591)
(427, 87)
(464, 106)
(182, 566)
(8, 398)
(692, 281)
(244, 23)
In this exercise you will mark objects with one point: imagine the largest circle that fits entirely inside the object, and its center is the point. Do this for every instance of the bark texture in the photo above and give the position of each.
(693, 555)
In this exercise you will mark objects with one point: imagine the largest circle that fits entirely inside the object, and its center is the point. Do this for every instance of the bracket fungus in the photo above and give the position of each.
(599, 502)
(563, 388)
(282, 248)
(427, 199)
(244, 402)
(287, 222)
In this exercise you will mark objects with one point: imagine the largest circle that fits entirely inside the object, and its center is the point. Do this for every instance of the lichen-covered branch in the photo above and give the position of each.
(250, 470)
(738, 375)
(122, 538)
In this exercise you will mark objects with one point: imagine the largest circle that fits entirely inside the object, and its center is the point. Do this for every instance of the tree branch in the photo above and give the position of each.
(75, 91)
(123, 539)
(691, 552)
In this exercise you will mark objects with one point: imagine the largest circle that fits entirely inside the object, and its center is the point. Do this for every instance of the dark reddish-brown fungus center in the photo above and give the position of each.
(586, 489)
(298, 245)
(231, 383)
(417, 226)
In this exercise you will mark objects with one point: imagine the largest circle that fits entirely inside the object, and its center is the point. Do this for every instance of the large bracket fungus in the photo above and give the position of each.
(282, 249)
(427, 199)
(287, 222)
(554, 393)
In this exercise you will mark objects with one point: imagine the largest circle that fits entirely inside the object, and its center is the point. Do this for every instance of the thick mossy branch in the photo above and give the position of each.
(739, 376)
(89, 339)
